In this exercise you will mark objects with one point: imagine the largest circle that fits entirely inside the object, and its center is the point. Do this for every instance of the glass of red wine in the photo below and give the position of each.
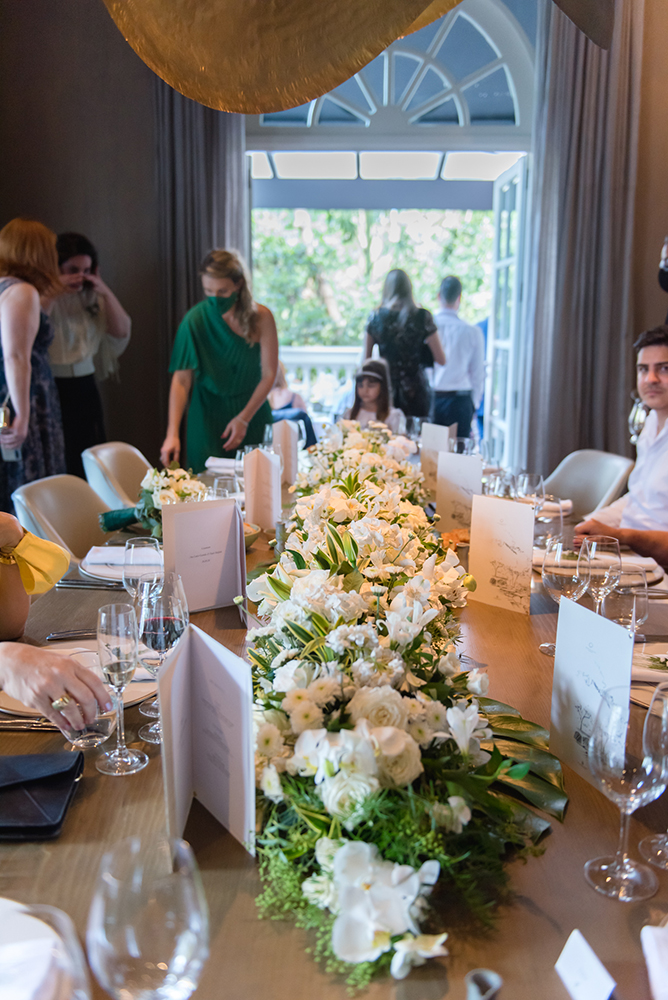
(170, 584)
(163, 622)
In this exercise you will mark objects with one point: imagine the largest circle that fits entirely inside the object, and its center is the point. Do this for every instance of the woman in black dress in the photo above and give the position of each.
(32, 445)
(407, 340)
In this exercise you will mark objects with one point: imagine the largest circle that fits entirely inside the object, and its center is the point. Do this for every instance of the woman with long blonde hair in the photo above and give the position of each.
(224, 358)
(31, 442)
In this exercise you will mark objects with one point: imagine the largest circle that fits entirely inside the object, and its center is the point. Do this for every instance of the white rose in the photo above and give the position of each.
(321, 891)
(399, 761)
(325, 851)
(382, 706)
(477, 682)
(345, 792)
(162, 497)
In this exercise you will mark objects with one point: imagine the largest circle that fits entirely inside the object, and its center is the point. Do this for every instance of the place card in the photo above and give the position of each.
(592, 654)
(582, 972)
(434, 438)
(459, 479)
(203, 542)
(206, 712)
(500, 553)
(286, 440)
(262, 482)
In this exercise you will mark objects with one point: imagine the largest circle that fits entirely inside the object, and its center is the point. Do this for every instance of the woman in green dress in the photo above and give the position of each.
(224, 358)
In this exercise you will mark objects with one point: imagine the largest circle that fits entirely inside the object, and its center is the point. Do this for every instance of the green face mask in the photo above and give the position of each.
(223, 303)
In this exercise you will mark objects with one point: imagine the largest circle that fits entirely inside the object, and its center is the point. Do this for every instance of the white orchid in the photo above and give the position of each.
(413, 950)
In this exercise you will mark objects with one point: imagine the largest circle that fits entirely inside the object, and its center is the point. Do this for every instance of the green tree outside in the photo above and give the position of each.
(321, 272)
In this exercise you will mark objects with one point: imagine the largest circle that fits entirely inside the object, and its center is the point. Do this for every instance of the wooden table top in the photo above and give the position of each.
(253, 959)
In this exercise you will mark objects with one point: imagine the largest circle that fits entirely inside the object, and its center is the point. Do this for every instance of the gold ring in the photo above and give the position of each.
(60, 703)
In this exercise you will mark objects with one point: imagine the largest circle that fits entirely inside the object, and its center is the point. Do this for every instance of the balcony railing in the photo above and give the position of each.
(319, 373)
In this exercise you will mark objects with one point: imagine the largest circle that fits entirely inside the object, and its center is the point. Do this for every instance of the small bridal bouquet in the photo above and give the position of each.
(157, 488)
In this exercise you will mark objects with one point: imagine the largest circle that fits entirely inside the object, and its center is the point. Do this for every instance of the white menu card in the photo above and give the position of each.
(262, 481)
(593, 654)
(286, 439)
(204, 543)
(582, 972)
(459, 479)
(434, 438)
(500, 552)
(206, 711)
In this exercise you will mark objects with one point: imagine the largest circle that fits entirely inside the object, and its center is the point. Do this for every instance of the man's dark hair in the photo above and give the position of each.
(75, 245)
(650, 338)
(451, 289)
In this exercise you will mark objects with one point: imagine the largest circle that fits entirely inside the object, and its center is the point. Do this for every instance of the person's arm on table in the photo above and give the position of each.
(14, 602)
(37, 677)
(235, 431)
(19, 323)
(645, 543)
(179, 392)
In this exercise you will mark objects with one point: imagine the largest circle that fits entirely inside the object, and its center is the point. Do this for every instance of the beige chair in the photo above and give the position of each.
(63, 509)
(115, 471)
(591, 479)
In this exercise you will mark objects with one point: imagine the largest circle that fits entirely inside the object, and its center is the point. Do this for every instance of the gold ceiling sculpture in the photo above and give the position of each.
(255, 56)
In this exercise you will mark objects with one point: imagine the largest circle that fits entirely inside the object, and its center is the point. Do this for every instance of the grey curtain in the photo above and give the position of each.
(202, 197)
(578, 370)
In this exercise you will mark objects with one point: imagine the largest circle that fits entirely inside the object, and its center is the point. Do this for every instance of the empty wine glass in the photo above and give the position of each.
(268, 437)
(630, 769)
(224, 486)
(172, 584)
(628, 604)
(501, 484)
(549, 521)
(148, 927)
(531, 489)
(117, 649)
(462, 446)
(142, 569)
(162, 624)
(565, 573)
(67, 972)
(655, 848)
(605, 565)
(637, 418)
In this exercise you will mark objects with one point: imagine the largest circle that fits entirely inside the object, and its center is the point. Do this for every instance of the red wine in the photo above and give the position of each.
(160, 634)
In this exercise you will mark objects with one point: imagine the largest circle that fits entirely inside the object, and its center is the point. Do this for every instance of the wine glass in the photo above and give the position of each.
(531, 489)
(461, 445)
(93, 733)
(501, 484)
(142, 568)
(637, 418)
(117, 649)
(565, 573)
(68, 972)
(172, 584)
(655, 847)
(549, 521)
(161, 626)
(148, 927)
(268, 437)
(628, 604)
(223, 486)
(630, 769)
(605, 565)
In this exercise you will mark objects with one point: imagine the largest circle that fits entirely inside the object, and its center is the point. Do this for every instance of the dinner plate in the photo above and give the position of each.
(135, 692)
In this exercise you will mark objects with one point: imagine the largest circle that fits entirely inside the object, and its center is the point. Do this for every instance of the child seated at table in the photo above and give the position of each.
(372, 398)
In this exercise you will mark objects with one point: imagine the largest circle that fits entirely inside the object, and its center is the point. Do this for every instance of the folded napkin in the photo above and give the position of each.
(550, 507)
(221, 464)
(643, 670)
(114, 555)
(654, 942)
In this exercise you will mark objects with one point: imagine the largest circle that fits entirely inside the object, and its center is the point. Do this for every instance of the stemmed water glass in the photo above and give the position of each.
(163, 622)
(629, 764)
(462, 446)
(628, 604)
(142, 569)
(565, 573)
(637, 418)
(655, 848)
(605, 566)
(531, 489)
(148, 927)
(117, 650)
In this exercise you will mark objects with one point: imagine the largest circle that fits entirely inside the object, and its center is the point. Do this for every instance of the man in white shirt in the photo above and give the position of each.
(645, 506)
(459, 383)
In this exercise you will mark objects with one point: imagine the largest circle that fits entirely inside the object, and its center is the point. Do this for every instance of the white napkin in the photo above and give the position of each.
(262, 476)
(221, 464)
(114, 555)
(654, 942)
(286, 439)
(550, 507)
(642, 670)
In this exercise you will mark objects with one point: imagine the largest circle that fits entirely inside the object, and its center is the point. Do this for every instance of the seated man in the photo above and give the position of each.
(644, 543)
(645, 506)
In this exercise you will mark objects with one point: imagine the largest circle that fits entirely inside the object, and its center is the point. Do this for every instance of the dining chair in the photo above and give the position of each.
(63, 509)
(591, 479)
(115, 470)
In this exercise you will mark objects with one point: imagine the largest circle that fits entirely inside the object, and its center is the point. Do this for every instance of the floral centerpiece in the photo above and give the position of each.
(389, 785)
(156, 489)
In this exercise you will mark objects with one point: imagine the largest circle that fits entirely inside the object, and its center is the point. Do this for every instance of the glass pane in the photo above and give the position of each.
(499, 382)
(501, 329)
(510, 292)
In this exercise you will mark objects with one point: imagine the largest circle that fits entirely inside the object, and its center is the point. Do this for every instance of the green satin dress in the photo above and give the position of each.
(226, 371)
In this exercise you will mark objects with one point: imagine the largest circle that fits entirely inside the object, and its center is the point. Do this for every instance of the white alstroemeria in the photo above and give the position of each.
(270, 783)
(477, 682)
(352, 637)
(326, 849)
(150, 480)
(294, 674)
(384, 668)
(321, 891)
(381, 706)
(399, 758)
(406, 620)
(312, 749)
(416, 589)
(453, 815)
(305, 716)
(467, 727)
(269, 741)
(411, 950)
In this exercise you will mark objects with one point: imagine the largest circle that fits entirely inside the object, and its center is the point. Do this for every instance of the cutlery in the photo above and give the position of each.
(21, 724)
(87, 585)
(82, 633)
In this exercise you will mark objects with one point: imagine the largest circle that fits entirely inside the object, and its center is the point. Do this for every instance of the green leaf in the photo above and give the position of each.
(322, 560)
(544, 764)
(492, 707)
(351, 548)
(539, 793)
(313, 645)
(335, 537)
(299, 560)
(520, 729)
(320, 624)
(353, 581)
(300, 632)
(281, 589)
(529, 822)
(259, 570)
(518, 770)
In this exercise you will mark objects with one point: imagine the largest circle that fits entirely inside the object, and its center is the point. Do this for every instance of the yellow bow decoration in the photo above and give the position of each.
(41, 563)
(256, 56)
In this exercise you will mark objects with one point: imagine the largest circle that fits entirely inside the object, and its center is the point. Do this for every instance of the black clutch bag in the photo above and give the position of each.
(35, 793)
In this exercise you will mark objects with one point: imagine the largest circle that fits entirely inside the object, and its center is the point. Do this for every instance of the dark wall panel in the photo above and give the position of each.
(77, 150)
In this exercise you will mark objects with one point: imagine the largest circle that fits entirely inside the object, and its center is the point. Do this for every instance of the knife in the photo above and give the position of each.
(19, 725)
(88, 585)
(81, 633)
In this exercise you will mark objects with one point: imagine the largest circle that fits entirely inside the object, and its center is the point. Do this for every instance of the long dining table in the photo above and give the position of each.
(251, 958)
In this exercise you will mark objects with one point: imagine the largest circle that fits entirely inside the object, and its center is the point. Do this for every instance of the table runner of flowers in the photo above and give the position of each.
(390, 788)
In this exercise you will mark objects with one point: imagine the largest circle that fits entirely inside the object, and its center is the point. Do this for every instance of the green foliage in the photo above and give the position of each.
(321, 272)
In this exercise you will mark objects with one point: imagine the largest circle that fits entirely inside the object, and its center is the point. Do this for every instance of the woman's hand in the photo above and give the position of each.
(14, 435)
(234, 433)
(38, 677)
(171, 449)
